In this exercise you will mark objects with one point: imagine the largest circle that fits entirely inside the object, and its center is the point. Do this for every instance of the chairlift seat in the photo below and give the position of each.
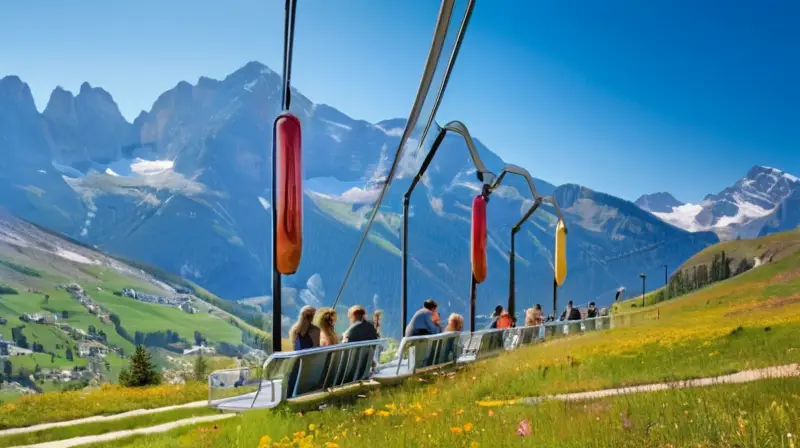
(293, 375)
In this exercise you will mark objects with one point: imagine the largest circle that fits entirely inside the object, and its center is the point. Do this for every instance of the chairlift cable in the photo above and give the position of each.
(432, 62)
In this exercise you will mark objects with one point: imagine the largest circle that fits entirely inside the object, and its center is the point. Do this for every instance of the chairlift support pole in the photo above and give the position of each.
(514, 169)
(513, 261)
(483, 175)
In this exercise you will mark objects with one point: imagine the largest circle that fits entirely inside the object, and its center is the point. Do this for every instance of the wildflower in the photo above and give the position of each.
(391, 406)
(456, 430)
(369, 412)
(265, 442)
(312, 427)
(384, 414)
(459, 412)
(491, 413)
(434, 414)
(331, 445)
(418, 419)
(524, 429)
(473, 444)
(467, 427)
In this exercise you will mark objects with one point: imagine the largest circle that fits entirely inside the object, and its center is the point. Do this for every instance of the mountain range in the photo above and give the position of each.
(186, 187)
(764, 201)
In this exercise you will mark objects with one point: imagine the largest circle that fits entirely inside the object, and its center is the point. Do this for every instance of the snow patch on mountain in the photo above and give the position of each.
(746, 212)
(391, 132)
(683, 216)
(358, 195)
(151, 167)
(737, 211)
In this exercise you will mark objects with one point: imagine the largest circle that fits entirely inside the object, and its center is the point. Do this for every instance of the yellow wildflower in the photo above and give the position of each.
(265, 442)
(369, 412)
(312, 427)
(456, 430)
(459, 412)
(391, 406)
(468, 427)
(331, 445)
(384, 414)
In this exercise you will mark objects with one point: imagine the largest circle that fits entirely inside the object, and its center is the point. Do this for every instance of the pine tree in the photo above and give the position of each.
(68, 354)
(201, 368)
(7, 368)
(141, 371)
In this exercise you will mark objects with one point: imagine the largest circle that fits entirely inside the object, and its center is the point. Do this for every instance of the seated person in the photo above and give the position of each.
(360, 329)
(422, 322)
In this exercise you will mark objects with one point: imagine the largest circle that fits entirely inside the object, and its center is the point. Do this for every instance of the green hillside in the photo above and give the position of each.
(697, 272)
(62, 308)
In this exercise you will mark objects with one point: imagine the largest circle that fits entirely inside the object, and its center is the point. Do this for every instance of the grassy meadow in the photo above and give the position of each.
(746, 322)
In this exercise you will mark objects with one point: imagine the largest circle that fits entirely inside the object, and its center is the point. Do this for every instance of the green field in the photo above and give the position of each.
(746, 322)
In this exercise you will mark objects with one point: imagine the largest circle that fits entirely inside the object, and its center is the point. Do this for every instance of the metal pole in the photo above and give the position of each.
(643, 280)
(666, 278)
(472, 286)
(404, 268)
(511, 276)
(555, 297)
(276, 276)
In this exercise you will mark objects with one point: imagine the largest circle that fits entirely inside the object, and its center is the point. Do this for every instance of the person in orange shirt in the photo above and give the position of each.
(505, 321)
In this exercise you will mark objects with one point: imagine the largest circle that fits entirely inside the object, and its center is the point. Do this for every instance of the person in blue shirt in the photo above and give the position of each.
(422, 321)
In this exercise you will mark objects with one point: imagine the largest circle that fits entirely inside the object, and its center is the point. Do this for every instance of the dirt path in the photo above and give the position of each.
(791, 370)
(130, 432)
(101, 418)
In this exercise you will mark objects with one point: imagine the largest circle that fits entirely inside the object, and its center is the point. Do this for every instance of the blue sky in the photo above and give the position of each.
(626, 97)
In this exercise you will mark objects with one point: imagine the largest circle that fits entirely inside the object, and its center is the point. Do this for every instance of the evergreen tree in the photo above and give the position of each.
(201, 368)
(7, 368)
(141, 371)
(68, 354)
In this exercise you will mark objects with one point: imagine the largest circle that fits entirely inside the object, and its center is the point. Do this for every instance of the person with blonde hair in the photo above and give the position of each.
(304, 334)
(360, 329)
(326, 321)
(455, 322)
(534, 316)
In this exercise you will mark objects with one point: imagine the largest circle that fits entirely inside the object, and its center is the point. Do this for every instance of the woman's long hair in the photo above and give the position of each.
(303, 324)
(326, 321)
(455, 322)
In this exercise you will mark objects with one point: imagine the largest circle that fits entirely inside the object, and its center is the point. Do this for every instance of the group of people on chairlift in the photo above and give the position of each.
(317, 328)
